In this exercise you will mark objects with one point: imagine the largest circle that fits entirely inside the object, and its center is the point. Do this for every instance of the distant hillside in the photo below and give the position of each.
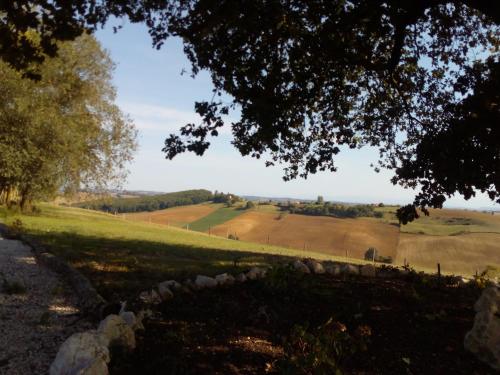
(148, 203)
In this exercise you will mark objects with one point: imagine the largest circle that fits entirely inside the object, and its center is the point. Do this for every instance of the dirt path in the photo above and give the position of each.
(37, 312)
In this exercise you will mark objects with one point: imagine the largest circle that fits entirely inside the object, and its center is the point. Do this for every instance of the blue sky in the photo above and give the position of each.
(154, 93)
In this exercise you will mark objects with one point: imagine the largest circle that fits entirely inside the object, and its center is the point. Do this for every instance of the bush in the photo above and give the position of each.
(322, 350)
(371, 254)
(249, 205)
(233, 237)
(15, 228)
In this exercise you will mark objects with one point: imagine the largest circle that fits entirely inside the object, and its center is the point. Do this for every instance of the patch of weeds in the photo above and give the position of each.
(15, 228)
(485, 278)
(321, 351)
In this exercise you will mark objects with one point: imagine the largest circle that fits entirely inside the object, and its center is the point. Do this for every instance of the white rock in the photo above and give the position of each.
(132, 320)
(350, 269)
(315, 266)
(155, 297)
(489, 301)
(172, 284)
(117, 332)
(128, 317)
(188, 284)
(333, 269)
(256, 273)
(164, 291)
(205, 282)
(96, 367)
(368, 270)
(301, 267)
(241, 278)
(484, 338)
(145, 296)
(82, 353)
(150, 297)
(224, 279)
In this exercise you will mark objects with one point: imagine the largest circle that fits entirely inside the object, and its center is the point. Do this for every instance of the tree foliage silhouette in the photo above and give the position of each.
(418, 79)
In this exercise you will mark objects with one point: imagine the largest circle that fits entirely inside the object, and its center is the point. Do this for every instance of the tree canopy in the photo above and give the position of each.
(418, 79)
(62, 132)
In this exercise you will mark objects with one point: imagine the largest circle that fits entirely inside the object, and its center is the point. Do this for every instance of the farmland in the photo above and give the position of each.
(324, 234)
(465, 253)
(176, 216)
(462, 241)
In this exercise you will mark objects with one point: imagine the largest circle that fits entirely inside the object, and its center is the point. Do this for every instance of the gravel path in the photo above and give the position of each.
(35, 322)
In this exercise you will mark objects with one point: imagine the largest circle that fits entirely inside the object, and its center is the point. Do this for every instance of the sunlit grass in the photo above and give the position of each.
(122, 256)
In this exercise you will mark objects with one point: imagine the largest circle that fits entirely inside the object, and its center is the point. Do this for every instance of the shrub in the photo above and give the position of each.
(233, 237)
(15, 228)
(249, 205)
(322, 350)
(371, 254)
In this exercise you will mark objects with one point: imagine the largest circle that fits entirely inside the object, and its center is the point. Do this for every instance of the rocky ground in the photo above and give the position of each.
(37, 312)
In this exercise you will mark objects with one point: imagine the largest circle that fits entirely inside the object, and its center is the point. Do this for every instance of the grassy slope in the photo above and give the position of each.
(123, 257)
(215, 218)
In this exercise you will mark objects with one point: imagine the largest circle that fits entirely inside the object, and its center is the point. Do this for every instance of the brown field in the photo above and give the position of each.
(461, 254)
(322, 234)
(176, 216)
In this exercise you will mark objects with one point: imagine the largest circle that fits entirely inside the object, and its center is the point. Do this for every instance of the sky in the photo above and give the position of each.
(155, 94)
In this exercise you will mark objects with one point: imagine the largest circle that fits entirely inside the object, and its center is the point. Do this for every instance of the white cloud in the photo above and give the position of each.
(149, 117)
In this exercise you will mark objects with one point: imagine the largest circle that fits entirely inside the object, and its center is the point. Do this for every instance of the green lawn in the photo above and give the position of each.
(124, 257)
(217, 217)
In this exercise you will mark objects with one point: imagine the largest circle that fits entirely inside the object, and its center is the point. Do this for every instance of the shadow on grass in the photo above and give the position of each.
(121, 268)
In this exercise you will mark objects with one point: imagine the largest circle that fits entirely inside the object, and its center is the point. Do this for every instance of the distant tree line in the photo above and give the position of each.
(149, 203)
(333, 209)
(227, 198)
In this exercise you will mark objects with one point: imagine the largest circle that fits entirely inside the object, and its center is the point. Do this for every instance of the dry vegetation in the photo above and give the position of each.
(324, 234)
(462, 241)
(176, 216)
(462, 254)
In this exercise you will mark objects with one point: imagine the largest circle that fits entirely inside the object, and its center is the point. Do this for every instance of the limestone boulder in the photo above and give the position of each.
(315, 266)
(241, 278)
(350, 269)
(150, 297)
(333, 269)
(224, 279)
(117, 332)
(188, 285)
(202, 282)
(172, 285)
(164, 291)
(132, 320)
(256, 273)
(488, 301)
(300, 267)
(483, 340)
(83, 353)
(368, 270)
